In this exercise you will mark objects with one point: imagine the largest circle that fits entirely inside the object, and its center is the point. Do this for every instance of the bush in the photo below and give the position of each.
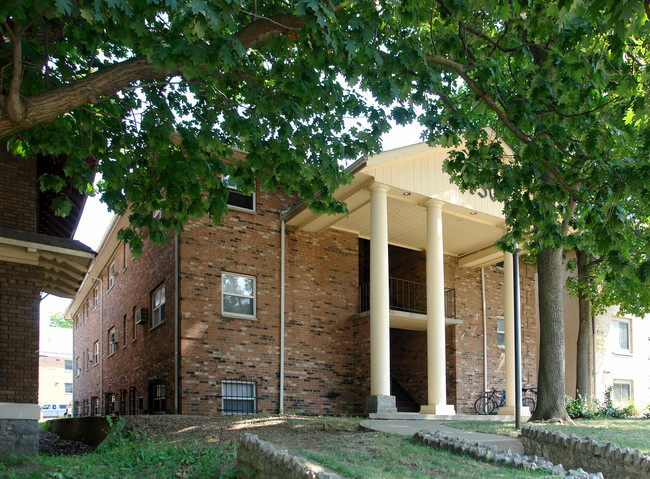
(581, 407)
(646, 412)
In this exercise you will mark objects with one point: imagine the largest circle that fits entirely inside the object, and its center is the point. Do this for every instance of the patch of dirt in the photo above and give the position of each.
(50, 443)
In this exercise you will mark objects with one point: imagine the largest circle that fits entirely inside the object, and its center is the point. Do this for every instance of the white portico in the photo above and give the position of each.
(403, 198)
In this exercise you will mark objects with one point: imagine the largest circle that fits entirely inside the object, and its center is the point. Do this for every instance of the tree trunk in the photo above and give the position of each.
(550, 399)
(582, 360)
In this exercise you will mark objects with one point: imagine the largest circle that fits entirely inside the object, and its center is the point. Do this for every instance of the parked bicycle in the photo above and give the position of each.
(490, 401)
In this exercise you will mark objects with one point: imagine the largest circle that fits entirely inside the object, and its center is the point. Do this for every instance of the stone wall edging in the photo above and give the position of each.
(573, 451)
(489, 453)
(274, 462)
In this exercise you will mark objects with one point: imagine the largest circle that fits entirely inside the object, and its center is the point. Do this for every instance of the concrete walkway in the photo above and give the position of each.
(408, 424)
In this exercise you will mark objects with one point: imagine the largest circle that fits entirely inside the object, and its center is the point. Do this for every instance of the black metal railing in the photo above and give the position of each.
(408, 296)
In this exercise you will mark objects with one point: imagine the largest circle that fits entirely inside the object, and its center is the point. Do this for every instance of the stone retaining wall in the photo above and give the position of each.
(573, 451)
(273, 462)
(19, 436)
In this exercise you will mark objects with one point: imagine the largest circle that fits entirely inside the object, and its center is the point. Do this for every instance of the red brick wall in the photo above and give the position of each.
(19, 305)
(321, 296)
(18, 191)
(148, 357)
(464, 342)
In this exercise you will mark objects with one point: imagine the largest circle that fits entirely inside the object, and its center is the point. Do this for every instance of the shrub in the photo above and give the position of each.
(646, 412)
(581, 407)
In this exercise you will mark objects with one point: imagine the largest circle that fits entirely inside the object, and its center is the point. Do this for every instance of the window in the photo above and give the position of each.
(501, 332)
(125, 247)
(132, 409)
(68, 388)
(621, 335)
(96, 355)
(110, 404)
(237, 200)
(68, 365)
(95, 297)
(238, 397)
(123, 397)
(133, 324)
(76, 322)
(157, 403)
(158, 307)
(94, 406)
(124, 330)
(622, 391)
(78, 367)
(112, 341)
(89, 359)
(238, 298)
(111, 275)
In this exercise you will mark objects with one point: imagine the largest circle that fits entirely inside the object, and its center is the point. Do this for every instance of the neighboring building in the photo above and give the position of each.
(278, 309)
(622, 359)
(36, 255)
(55, 368)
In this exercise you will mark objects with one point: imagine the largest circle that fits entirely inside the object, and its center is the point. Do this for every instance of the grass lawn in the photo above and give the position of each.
(632, 433)
(196, 447)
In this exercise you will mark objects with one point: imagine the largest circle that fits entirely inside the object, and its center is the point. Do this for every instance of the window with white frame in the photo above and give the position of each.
(621, 336)
(78, 367)
(112, 341)
(68, 388)
(111, 275)
(96, 297)
(501, 332)
(622, 391)
(238, 295)
(238, 397)
(158, 307)
(67, 365)
(236, 199)
(96, 355)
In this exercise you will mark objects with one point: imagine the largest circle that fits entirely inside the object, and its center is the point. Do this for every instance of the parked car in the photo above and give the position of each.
(53, 410)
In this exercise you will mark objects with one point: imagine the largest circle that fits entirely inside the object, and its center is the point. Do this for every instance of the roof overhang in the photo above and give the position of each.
(472, 221)
(64, 262)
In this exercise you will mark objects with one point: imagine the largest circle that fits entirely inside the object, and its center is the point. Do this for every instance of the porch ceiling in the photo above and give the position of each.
(466, 232)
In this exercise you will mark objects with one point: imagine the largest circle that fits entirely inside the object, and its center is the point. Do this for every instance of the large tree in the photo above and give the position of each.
(565, 84)
(158, 94)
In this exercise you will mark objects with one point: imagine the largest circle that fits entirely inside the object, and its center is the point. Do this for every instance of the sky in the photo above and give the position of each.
(96, 218)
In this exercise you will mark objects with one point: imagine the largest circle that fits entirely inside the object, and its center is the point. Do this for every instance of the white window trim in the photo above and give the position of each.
(616, 347)
(501, 346)
(243, 398)
(160, 306)
(254, 297)
(96, 353)
(225, 180)
(111, 275)
(95, 297)
(628, 382)
(112, 342)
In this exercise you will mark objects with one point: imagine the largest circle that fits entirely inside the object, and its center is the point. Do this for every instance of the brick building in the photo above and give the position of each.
(400, 304)
(37, 255)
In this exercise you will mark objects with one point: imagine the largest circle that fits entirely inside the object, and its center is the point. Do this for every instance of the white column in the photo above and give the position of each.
(379, 295)
(509, 320)
(436, 362)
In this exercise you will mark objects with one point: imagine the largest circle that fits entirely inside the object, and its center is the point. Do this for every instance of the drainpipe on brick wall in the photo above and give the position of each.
(282, 250)
(176, 327)
(101, 343)
(485, 380)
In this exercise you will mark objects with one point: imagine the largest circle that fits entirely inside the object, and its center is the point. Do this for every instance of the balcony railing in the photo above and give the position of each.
(408, 296)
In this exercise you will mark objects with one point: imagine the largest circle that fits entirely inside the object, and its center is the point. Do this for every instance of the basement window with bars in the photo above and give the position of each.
(238, 397)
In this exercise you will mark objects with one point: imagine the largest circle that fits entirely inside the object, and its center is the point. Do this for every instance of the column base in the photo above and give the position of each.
(510, 411)
(19, 426)
(380, 404)
(438, 409)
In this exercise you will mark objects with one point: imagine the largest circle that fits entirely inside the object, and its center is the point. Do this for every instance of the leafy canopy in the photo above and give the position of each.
(158, 93)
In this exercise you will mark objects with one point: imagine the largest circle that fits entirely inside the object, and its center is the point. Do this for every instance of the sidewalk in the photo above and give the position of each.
(408, 424)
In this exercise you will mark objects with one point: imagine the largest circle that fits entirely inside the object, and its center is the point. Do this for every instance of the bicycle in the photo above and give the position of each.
(490, 401)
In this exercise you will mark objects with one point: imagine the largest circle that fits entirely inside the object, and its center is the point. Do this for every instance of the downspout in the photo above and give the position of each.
(176, 327)
(485, 368)
(282, 253)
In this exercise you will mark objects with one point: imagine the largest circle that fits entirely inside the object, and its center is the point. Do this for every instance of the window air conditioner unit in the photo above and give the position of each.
(141, 316)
